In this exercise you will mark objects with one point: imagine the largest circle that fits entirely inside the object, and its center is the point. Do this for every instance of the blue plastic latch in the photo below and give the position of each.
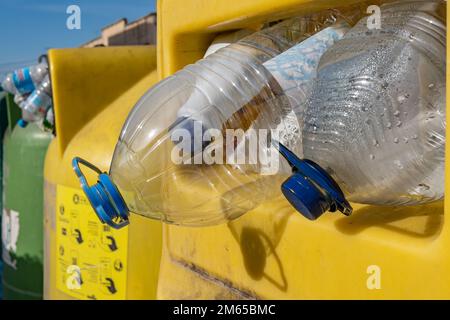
(104, 196)
(310, 189)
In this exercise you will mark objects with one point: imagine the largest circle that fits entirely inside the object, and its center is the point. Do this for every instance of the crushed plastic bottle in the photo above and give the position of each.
(25, 80)
(159, 173)
(376, 118)
(35, 108)
(39, 100)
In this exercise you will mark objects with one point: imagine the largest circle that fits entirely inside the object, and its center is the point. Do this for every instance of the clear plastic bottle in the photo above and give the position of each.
(38, 103)
(40, 99)
(25, 80)
(230, 89)
(376, 119)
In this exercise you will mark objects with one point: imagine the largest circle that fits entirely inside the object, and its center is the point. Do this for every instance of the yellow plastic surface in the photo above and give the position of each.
(273, 252)
(92, 258)
(93, 91)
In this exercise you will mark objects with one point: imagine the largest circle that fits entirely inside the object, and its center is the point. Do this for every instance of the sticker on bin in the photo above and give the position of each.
(91, 256)
(23, 81)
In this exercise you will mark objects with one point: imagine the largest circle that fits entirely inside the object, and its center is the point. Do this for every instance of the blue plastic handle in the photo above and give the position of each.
(104, 196)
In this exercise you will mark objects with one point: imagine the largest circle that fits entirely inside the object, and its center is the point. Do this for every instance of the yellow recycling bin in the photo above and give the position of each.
(273, 252)
(93, 91)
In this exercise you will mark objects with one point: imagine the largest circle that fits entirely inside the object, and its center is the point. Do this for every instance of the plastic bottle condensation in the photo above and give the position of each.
(376, 118)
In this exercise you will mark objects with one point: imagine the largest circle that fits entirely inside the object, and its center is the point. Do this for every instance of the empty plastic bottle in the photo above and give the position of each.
(40, 99)
(25, 80)
(232, 88)
(36, 106)
(376, 118)
(226, 39)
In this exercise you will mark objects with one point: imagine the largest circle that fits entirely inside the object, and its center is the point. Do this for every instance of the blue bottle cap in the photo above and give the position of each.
(22, 123)
(310, 189)
(104, 196)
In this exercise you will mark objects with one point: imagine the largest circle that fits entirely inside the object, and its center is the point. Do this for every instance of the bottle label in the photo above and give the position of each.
(295, 71)
(296, 68)
(91, 256)
(23, 81)
(38, 103)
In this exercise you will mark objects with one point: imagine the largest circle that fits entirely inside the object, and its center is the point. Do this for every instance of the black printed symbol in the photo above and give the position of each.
(118, 265)
(61, 210)
(109, 284)
(112, 243)
(61, 250)
(77, 235)
(76, 198)
(64, 231)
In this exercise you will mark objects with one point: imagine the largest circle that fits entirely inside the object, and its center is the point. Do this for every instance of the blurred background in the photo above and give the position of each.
(33, 27)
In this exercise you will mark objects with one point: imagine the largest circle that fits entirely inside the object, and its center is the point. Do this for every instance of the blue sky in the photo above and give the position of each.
(30, 27)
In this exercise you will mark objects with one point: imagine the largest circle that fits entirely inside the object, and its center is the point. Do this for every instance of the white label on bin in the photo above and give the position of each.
(10, 235)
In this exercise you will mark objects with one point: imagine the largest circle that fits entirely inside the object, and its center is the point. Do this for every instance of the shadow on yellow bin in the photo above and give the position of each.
(93, 91)
(273, 252)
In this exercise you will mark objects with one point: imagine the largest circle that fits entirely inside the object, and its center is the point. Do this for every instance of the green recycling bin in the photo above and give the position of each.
(24, 151)
(3, 124)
